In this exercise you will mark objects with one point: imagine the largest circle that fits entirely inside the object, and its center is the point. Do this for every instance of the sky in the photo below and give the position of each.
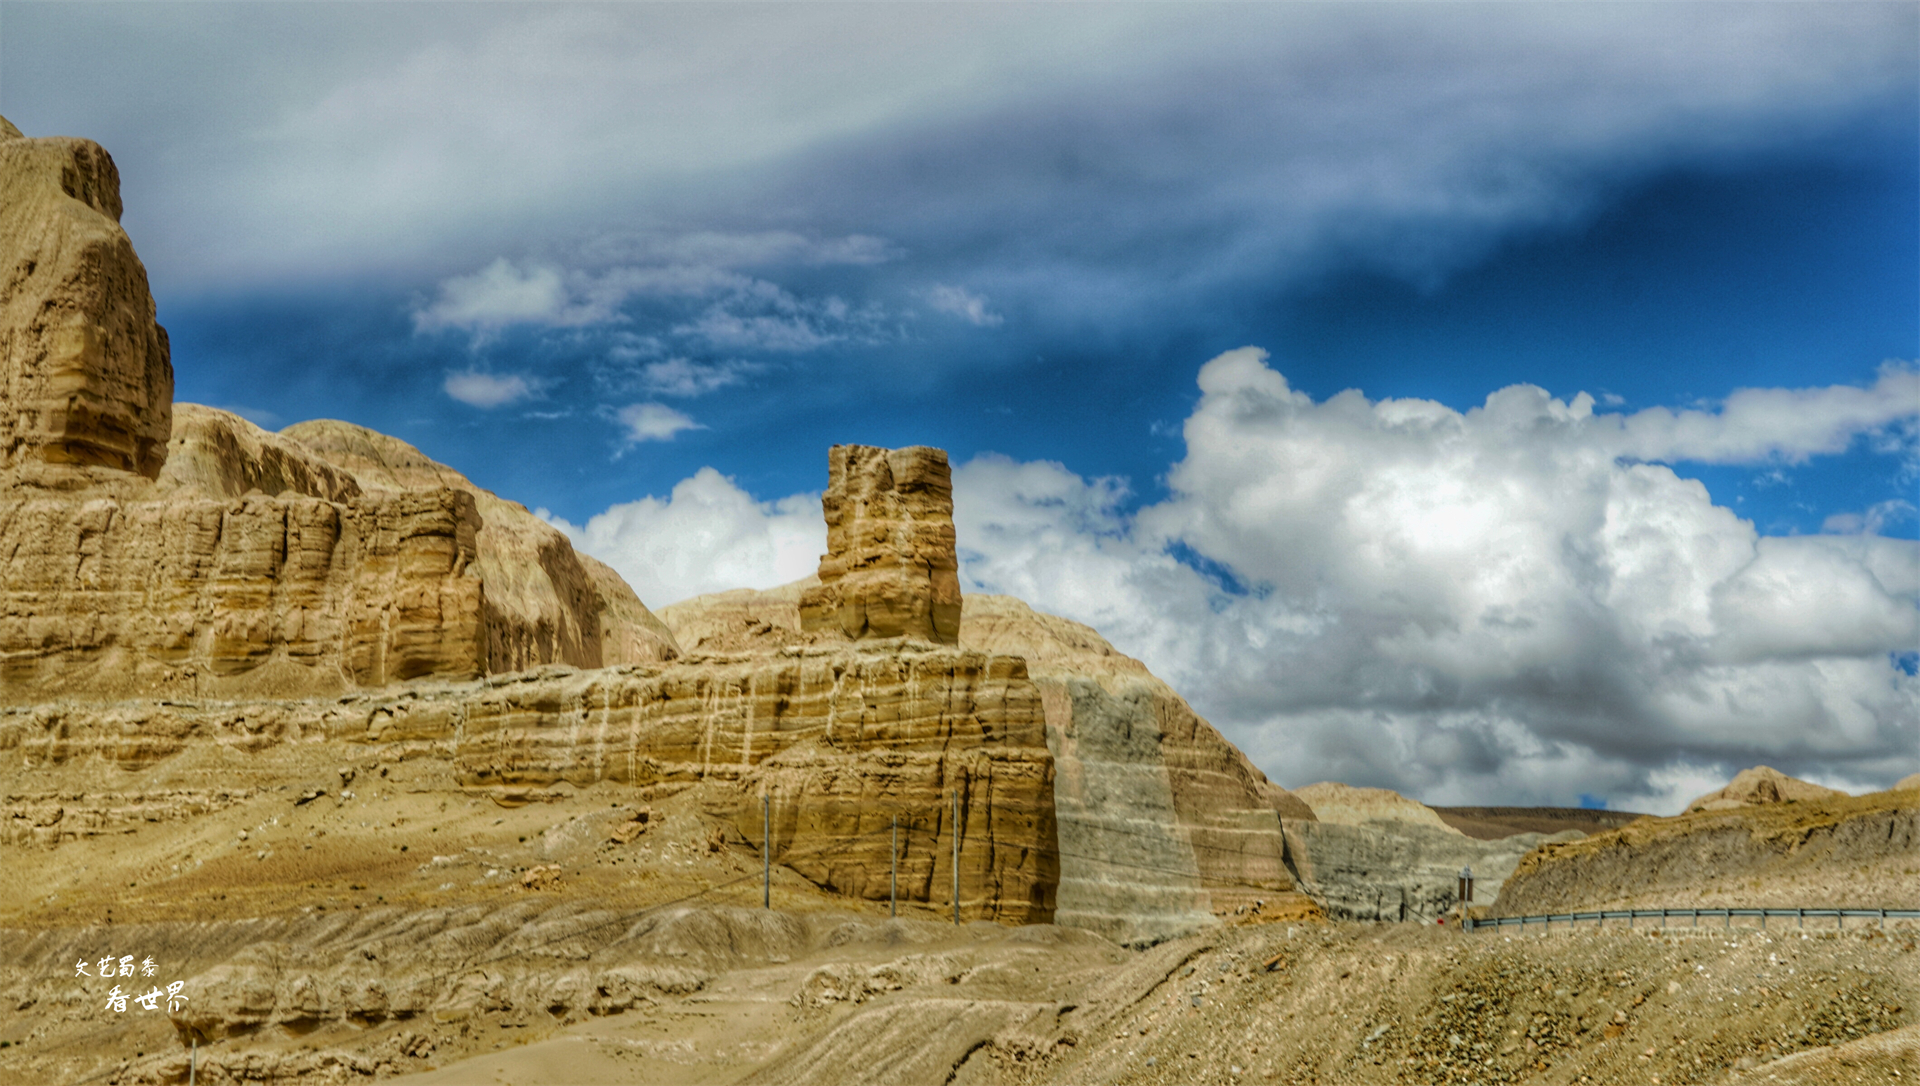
(1504, 404)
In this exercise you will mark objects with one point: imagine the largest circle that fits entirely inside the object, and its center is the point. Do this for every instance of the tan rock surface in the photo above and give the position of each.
(1757, 786)
(1907, 783)
(1855, 852)
(85, 377)
(890, 568)
(546, 603)
(1350, 806)
(1163, 824)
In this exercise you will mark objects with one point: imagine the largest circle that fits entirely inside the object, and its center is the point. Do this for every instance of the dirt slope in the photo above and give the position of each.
(1493, 823)
(1846, 851)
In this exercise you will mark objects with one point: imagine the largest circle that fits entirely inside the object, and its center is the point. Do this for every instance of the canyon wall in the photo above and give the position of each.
(149, 548)
(85, 377)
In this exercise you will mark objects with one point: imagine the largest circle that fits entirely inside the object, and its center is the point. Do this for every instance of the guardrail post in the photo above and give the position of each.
(1763, 919)
(1663, 919)
(1729, 918)
(1883, 919)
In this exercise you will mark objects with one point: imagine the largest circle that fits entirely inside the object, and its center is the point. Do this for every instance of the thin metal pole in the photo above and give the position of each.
(956, 857)
(893, 872)
(193, 1062)
(766, 852)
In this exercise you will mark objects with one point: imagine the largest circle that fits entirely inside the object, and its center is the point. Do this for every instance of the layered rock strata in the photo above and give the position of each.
(841, 743)
(1386, 871)
(1836, 851)
(85, 377)
(1163, 824)
(890, 569)
(146, 550)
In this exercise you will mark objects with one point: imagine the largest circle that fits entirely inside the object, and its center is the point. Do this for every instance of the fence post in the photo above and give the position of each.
(893, 872)
(956, 856)
(1883, 919)
(766, 852)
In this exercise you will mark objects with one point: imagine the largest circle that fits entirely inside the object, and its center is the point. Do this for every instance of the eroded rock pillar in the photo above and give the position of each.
(890, 570)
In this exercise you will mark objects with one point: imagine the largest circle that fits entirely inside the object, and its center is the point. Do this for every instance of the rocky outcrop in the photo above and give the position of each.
(107, 598)
(1840, 851)
(841, 743)
(1163, 824)
(1350, 806)
(1400, 871)
(890, 569)
(154, 551)
(85, 378)
(1758, 786)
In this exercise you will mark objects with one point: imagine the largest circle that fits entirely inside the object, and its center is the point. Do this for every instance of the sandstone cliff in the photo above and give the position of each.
(148, 550)
(85, 378)
(1162, 823)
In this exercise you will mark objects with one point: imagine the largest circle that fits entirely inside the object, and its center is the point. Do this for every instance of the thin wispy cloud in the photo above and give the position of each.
(963, 303)
(488, 390)
(653, 422)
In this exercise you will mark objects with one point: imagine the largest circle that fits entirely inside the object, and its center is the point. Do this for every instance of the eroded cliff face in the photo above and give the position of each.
(149, 550)
(841, 743)
(85, 378)
(1163, 824)
(890, 569)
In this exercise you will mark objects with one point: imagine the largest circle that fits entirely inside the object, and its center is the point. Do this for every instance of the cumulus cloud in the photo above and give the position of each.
(962, 303)
(707, 536)
(488, 390)
(1498, 601)
(502, 294)
(653, 422)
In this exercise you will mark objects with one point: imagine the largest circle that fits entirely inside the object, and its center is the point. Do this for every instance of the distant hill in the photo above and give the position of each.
(1493, 823)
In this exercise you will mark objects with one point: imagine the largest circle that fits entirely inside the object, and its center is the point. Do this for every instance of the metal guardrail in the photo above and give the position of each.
(1600, 918)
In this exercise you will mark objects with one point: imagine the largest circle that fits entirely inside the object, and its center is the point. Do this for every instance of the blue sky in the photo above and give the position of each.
(638, 265)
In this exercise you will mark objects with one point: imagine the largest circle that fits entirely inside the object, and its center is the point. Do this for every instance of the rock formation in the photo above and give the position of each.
(1162, 823)
(890, 568)
(1854, 852)
(154, 549)
(1349, 806)
(85, 379)
(1757, 786)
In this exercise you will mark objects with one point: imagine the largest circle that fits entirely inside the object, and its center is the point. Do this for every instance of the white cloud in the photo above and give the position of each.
(488, 390)
(1489, 602)
(708, 536)
(962, 303)
(1497, 602)
(1873, 521)
(1788, 423)
(502, 294)
(685, 377)
(653, 422)
(409, 133)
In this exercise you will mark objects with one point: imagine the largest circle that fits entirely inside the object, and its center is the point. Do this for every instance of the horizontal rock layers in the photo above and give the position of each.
(840, 742)
(1403, 870)
(251, 596)
(255, 566)
(1785, 853)
(1162, 823)
(85, 377)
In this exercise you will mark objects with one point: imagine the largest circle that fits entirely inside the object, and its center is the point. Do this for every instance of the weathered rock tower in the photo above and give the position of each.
(890, 568)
